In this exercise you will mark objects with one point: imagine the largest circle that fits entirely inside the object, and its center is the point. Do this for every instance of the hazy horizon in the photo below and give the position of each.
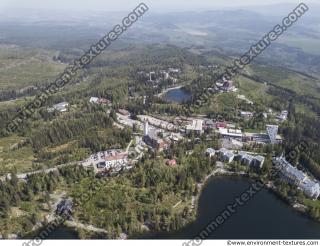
(125, 5)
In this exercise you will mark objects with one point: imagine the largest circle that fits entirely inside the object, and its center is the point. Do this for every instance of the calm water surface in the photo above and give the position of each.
(177, 96)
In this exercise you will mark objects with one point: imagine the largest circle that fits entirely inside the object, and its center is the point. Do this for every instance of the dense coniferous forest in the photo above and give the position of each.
(145, 196)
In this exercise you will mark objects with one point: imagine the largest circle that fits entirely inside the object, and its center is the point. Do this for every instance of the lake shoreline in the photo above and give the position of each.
(295, 206)
(161, 94)
(214, 176)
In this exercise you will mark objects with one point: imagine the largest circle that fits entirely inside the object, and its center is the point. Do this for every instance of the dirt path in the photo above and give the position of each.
(85, 227)
(177, 204)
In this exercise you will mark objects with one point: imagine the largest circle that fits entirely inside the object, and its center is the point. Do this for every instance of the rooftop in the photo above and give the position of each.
(272, 132)
(260, 158)
(210, 151)
(196, 125)
(230, 132)
(288, 170)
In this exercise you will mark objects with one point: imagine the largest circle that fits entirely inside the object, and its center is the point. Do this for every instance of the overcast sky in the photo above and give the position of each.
(125, 5)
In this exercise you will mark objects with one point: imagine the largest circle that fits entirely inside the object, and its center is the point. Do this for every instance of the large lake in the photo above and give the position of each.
(263, 217)
(178, 95)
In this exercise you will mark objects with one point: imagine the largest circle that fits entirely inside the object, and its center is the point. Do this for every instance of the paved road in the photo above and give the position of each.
(129, 145)
(85, 163)
(49, 170)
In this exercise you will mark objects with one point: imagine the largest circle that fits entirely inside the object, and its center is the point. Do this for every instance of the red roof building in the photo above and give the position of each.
(171, 163)
(221, 125)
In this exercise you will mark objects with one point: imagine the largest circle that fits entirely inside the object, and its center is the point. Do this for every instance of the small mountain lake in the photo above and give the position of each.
(177, 95)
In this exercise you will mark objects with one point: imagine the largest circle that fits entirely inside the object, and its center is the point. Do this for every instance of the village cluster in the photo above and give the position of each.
(158, 133)
(158, 136)
(156, 77)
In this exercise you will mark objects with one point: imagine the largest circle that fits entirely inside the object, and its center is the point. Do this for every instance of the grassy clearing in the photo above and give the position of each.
(8, 142)
(20, 68)
(309, 45)
(16, 156)
(255, 131)
(300, 84)
(60, 148)
(20, 160)
(253, 90)
(303, 109)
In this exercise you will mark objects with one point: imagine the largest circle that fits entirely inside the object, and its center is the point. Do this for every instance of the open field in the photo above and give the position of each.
(300, 84)
(13, 157)
(21, 68)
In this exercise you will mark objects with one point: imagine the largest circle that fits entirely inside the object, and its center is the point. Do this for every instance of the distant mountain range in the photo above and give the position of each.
(233, 30)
